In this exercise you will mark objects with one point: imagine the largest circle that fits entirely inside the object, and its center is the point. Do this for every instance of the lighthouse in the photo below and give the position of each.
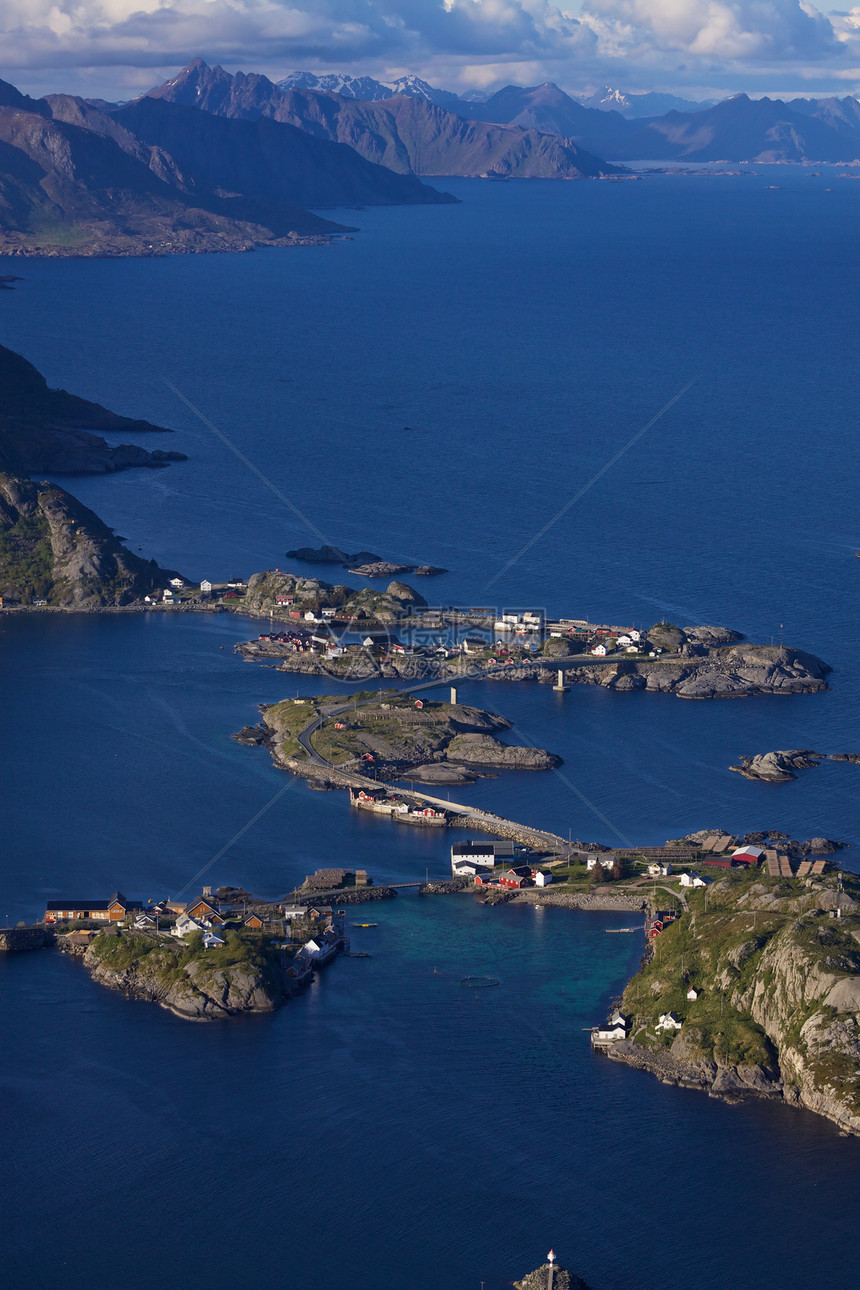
(551, 1261)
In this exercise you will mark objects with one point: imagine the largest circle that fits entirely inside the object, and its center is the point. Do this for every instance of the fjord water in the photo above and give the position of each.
(435, 390)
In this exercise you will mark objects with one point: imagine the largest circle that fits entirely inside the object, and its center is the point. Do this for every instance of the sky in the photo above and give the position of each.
(698, 48)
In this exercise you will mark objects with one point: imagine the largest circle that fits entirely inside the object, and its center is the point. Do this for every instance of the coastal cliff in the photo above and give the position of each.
(45, 430)
(242, 976)
(762, 981)
(53, 548)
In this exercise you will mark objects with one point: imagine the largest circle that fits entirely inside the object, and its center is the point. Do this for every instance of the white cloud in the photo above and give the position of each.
(732, 30)
(50, 44)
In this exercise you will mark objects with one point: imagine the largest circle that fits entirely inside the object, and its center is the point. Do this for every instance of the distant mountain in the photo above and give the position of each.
(73, 183)
(406, 132)
(266, 159)
(737, 129)
(367, 89)
(742, 129)
(75, 180)
(634, 106)
(348, 87)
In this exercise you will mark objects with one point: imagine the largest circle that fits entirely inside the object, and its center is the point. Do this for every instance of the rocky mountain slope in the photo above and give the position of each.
(54, 548)
(270, 159)
(76, 181)
(777, 976)
(45, 430)
(406, 133)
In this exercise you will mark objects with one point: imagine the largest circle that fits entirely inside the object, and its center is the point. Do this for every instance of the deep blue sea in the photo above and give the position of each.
(435, 390)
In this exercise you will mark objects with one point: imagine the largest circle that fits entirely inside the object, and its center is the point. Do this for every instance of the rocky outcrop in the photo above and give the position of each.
(777, 767)
(561, 1279)
(483, 750)
(191, 983)
(54, 548)
(441, 773)
(51, 431)
(722, 672)
(380, 569)
(331, 555)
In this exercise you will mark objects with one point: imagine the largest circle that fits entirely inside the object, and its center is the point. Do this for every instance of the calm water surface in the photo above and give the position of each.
(435, 390)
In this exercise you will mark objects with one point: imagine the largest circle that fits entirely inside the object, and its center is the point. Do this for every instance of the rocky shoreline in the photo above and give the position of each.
(754, 991)
(195, 991)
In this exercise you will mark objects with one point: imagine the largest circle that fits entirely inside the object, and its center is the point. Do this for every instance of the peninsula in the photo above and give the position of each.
(52, 431)
(754, 991)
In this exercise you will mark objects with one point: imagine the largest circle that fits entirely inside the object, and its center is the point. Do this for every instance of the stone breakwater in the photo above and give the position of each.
(342, 896)
(610, 902)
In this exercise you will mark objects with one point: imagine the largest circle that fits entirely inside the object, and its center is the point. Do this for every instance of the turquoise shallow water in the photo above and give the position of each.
(392, 1125)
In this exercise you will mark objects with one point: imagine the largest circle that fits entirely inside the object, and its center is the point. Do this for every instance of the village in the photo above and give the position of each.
(307, 934)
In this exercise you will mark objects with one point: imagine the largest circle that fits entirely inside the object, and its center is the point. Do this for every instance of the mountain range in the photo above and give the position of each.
(76, 180)
(522, 132)
(408, 133)
(366, 87)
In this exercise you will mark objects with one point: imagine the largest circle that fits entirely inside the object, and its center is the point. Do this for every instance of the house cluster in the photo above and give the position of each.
(335, 879)
(520, 624)
(493, 864)
(113, 910)
(179, 589)
(384, 803)
(659, 921)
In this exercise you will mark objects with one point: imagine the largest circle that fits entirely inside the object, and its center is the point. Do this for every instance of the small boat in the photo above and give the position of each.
(359, 954)
(365, 924)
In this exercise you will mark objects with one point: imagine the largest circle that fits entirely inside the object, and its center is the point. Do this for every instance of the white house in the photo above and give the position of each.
(290, 912)
(206, 585)
(143, 922)
(693, 880)
(610, 1034)
(177, 582)
(618, 1019)
(367, 642)
(599, 649)
(541, 878)
(625, 640)
(481, 855)
(329, 612)
(668, 1021)
(168, 596)
(185, 926)
(657, 870)
(310, 616)
(692, 994)
(634, 635)
(594, 859)
(211, 940)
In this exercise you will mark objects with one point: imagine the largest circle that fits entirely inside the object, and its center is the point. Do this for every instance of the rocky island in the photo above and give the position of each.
(391, 736)
(245, 974)
(755, 991)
